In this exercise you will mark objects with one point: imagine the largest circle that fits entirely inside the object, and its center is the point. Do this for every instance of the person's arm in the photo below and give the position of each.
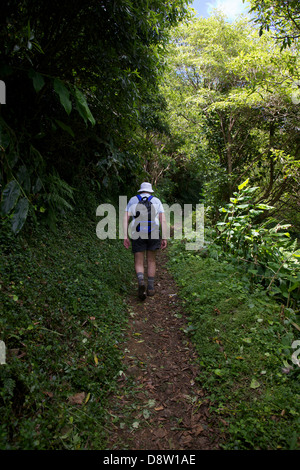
(125, 229)
(163, 224)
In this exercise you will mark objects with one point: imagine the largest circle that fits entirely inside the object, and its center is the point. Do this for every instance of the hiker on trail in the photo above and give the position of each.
(148, 217)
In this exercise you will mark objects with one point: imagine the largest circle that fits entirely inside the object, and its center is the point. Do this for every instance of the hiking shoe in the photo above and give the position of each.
(150, 292)
(142, 292)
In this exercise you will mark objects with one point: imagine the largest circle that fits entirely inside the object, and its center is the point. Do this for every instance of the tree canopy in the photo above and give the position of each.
(112, 92)
(77, 80)
(230, 95)
(282, 17)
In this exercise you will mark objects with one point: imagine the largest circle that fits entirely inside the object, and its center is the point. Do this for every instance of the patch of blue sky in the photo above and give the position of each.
(231, 8)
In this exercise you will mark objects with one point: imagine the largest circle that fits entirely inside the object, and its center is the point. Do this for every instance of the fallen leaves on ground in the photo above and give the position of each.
(170, 409)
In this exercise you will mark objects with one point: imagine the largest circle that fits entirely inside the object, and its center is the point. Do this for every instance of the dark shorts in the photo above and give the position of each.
(145, 244)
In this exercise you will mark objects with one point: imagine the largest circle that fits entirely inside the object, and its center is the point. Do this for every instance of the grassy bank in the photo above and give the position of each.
(244, 343)
(62, 316)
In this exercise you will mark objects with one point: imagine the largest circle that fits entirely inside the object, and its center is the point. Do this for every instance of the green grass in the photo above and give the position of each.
(62, 317)
(244, 344)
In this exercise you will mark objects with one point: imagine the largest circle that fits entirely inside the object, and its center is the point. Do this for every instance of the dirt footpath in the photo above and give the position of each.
(160, 404)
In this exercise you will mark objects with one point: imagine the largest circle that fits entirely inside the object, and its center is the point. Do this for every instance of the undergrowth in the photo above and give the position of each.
(245, 341)
(62, 317)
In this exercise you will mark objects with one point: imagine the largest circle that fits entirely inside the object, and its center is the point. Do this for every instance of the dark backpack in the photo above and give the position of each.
(147, 224)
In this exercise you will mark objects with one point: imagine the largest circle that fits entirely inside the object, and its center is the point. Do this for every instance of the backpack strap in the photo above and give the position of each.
(140, 198)
(145, 224)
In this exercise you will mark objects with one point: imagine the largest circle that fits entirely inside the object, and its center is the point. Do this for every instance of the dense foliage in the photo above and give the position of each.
(245, 343)
(234, 109)
(103, 96)
(62, 319)
(230, 96)
(266, 250)
(281, 16)
(78, 82)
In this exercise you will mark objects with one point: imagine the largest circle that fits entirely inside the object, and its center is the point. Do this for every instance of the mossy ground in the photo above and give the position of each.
(62, 318)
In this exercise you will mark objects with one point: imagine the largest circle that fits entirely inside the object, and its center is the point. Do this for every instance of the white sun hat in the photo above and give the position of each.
(146, 188)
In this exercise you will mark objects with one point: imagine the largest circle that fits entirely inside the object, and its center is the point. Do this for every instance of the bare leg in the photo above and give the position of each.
(151, 261)
(139, 262)
(139, 269)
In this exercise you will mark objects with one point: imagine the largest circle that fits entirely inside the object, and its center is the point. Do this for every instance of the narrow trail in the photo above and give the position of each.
(167, 409)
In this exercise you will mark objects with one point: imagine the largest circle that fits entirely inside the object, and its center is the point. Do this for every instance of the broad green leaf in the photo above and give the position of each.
(253, 189)
(264, 206)
(252, 271)
(37, 186)
(64, 95)
(241, 186)
(254, 384)
(23, 178)
(247, 340)
(12, 159)
(37, 79)
(65, 127)
(255, 212)
(4, 138)
(83, 108)
(294, 286)
(10, 195)
(20, 215)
